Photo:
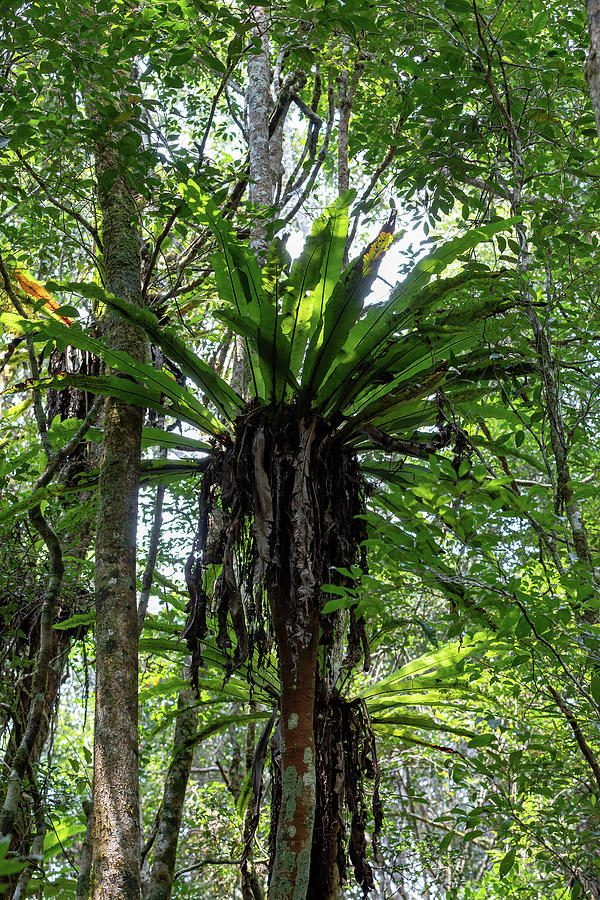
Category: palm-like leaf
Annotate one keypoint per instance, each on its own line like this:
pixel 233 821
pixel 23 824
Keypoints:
pixel 218 391
pixel 402 704
pixel 329 376
pixel 309 334
pixel 314 337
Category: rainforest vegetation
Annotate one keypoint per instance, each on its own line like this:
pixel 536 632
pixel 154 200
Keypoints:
pixel 300 394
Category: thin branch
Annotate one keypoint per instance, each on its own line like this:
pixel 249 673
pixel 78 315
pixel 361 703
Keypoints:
pixel 234 116
pixel 578 735
pixel 443 826
pixel 306 109
pixel 504 193
pixel 157 520
pixel 159 241
pixel 417 449
pixel 59 204
pixel 319 161
pixel 215 861
pixel 346 92
pixel 381 168
pixel 148 575
pixel 201 147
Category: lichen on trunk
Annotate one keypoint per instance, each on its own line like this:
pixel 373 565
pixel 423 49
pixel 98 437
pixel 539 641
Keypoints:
pixel 169 817
pixel 116 859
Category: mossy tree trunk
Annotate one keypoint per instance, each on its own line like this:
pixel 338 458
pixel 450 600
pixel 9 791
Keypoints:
pixel 116 856
pixel 171 810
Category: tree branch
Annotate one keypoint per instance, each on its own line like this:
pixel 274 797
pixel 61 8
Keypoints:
pixel 59 204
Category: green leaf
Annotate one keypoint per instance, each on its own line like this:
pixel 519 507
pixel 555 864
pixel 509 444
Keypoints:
pixel 416 721
pixel 371 353
pixel 76 621
pixel 344 602
pixel 273 346
pixel 181 56
pixel 67 310
pixel 482 740
pixel 59 836
pixel 223 722
pixel 160 646
pixel 11 867
pixel 340 311
pixel 168 398
pixel 446 841
pixel 464 468
pixel 213 62
pixel 236 270
pixel 218 391
pixel 507 862
pixel 157 437
pixel 168 470
pixel 335 589
pixel 441 662
pixel 312 279
pixel 166 687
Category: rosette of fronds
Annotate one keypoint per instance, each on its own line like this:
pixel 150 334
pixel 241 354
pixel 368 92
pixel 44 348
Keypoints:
pixel 334 379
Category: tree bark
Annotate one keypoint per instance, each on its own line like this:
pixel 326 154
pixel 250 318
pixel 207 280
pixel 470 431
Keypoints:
pixel 345 99
pixel 592 67
pixel 293 599
pixel 165 848
pixel 346 91
pixel 84 879
pixel 258 103
pixel 291 869
pixel 116 857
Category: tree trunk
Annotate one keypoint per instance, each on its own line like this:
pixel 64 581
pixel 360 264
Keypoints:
pixel 293 598
pixel 292 486
pixel 345 98
pixel 116 857
pixel 291 868
pixel 592 68
pixel 84 878
pixel 165 849
pixel 258 103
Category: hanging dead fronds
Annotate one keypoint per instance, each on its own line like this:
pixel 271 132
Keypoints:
pixel 284 495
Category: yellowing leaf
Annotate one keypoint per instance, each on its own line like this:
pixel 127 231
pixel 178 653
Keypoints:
pixel 123 116
pixel 31 288
pixel 37 291
pixel 376 250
